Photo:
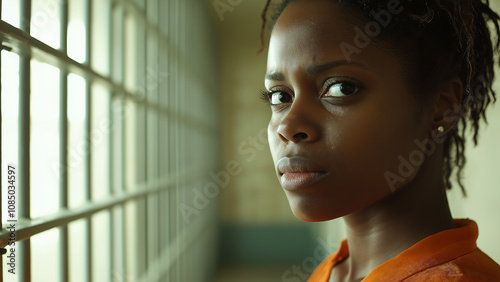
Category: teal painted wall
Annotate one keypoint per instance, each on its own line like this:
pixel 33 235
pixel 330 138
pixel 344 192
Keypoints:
pixel 265 245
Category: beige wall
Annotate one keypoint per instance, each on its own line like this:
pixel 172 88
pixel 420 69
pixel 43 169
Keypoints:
pixel 254 196
pixel 482 175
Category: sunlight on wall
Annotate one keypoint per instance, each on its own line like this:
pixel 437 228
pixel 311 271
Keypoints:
pixel 11 12
pixel 76 131
pixel 45 23
pixel 76 31
pixel 45 128
pixel 44 139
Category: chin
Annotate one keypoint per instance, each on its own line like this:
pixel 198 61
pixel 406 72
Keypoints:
pixel 311 211
pixel 308 216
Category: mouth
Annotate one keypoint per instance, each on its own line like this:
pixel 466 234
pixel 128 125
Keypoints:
pixel 297 173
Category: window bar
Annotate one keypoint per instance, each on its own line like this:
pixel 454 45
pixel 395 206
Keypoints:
pixel 142 126
pixel 152 81
pixel 164 142
pixel 159 79
pixel 129 117
pixel 114 215
pixel 169 219
pixel 119 72
pixel 154 164
pixel 180 133
pixel 172 143
pixel 188 89
pixel 24 144
pixel 88 130
pixel 188 257
pixel 177 141
pixel 172 146
pixel 146 205
pixel 160 222
pixel 63 144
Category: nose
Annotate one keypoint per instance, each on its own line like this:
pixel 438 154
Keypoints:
pixel 298 125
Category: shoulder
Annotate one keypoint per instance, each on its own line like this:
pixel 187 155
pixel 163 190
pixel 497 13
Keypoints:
pixel 450 255
pixel 473 266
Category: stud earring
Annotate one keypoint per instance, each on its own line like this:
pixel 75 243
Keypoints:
pixel 440 129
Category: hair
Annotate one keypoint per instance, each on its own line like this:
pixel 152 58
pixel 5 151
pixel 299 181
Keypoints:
pixel 437 40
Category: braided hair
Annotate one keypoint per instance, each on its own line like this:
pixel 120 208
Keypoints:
pixel 437 40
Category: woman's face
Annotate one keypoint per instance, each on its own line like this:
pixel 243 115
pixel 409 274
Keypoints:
pixel 338 126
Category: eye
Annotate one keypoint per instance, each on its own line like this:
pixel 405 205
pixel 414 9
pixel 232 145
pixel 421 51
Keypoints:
pixel 341 89
pixel 279 97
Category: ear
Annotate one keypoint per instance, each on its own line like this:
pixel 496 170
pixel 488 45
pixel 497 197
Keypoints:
pixel 447 104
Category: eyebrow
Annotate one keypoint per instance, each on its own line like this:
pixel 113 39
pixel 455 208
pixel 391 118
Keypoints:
pixel 311 70
pixel 276 76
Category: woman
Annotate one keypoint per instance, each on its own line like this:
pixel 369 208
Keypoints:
pixel 369 101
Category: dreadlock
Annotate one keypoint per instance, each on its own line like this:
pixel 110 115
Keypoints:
pixel 437 40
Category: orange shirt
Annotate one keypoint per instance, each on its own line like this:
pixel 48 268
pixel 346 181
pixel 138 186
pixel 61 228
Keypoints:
pixel 450 255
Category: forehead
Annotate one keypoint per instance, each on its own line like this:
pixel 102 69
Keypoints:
pixel 316 17
pixel 316 32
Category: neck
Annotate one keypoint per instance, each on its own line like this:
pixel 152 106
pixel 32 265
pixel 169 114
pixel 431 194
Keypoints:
pixel 382 231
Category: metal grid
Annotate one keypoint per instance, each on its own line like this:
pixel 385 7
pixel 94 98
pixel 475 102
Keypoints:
pixel 161 142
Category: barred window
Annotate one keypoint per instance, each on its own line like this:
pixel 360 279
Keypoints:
pixel 109 119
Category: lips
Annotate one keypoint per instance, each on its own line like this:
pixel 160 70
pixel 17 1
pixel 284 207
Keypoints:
pixel 297 173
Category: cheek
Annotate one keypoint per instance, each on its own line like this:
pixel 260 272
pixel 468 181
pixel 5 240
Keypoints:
pixel 273 139
pixel 370 143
